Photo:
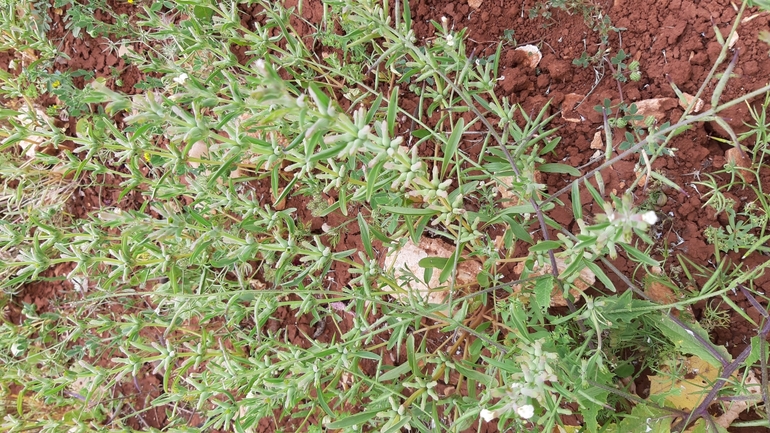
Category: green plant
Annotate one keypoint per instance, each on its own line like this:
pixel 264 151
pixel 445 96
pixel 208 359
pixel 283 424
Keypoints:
pixel 623 71
pixel 743 230
pixel 225 293
pixel 714 317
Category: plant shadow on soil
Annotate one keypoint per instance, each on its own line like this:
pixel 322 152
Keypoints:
pixel 670 38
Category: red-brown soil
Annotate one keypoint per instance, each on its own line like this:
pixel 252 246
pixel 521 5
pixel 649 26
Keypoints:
pixel 672 39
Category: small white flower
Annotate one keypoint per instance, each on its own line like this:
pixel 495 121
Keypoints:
pixel 650 217
pixel 181 78
pixel 527 411
pixel 488 415
pixel 260 65
pixel 450 40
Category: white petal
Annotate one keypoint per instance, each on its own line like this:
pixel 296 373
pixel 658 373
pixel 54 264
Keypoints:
pixel 487 415
pixel 650 217
pixel 527 411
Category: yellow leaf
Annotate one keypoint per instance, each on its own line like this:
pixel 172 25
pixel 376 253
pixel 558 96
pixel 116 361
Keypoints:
pixel 686 386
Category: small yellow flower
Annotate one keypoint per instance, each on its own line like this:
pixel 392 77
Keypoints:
pixel 56 84
pixel 147 156
pixel 130 2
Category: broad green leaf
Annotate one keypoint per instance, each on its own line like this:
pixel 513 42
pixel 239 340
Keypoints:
pixel 639 256
pixel 545 246
pixel 701 426
pixel 472 374
pixel 433 262
pixel 643 419
pixel 624 308
pixel 395 373
pixel 449 265
pixel 600 275
pixel 544 287
pixel 352 420
pixel 559 168
pixel 328 153
pixel 421 133
pixel 367 355
pixel 685 340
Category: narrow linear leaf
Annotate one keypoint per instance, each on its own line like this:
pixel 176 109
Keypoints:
pixel 559 168
pixel 394 374
pixel 400 210
pixel 352 420
pixel 577 206
pixel 544 246
pixel 450 148
pixel 365 237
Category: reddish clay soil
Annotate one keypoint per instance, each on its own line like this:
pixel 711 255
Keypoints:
pixel 672 39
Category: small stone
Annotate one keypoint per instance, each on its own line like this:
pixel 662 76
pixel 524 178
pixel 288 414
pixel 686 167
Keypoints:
pixel 533 54
pixel 585 280
pixel 504 188
pixel 568 112
pixel 659 292
pixel 655 107
pixel 475 4
pixel 734 156
pixel 597 142
pixel 688 100
pixel 405 263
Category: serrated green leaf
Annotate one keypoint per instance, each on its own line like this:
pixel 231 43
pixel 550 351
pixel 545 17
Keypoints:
pixel 544 287
pixel 685 340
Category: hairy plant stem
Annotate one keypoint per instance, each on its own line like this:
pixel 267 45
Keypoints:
pixel 668 130
pixel 439 372
pixel 762 346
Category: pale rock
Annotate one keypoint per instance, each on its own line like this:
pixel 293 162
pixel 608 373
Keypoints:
pixel 533 54
pixel 655 107
pixel 733 409
pixel 405 262
pixel 659 292
pixel 37 121
pixel 568 112
pixel 475 4
pixel 597 142
pixel 734 156
pixel 510 199
pixel 584 281
pixel 688 100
